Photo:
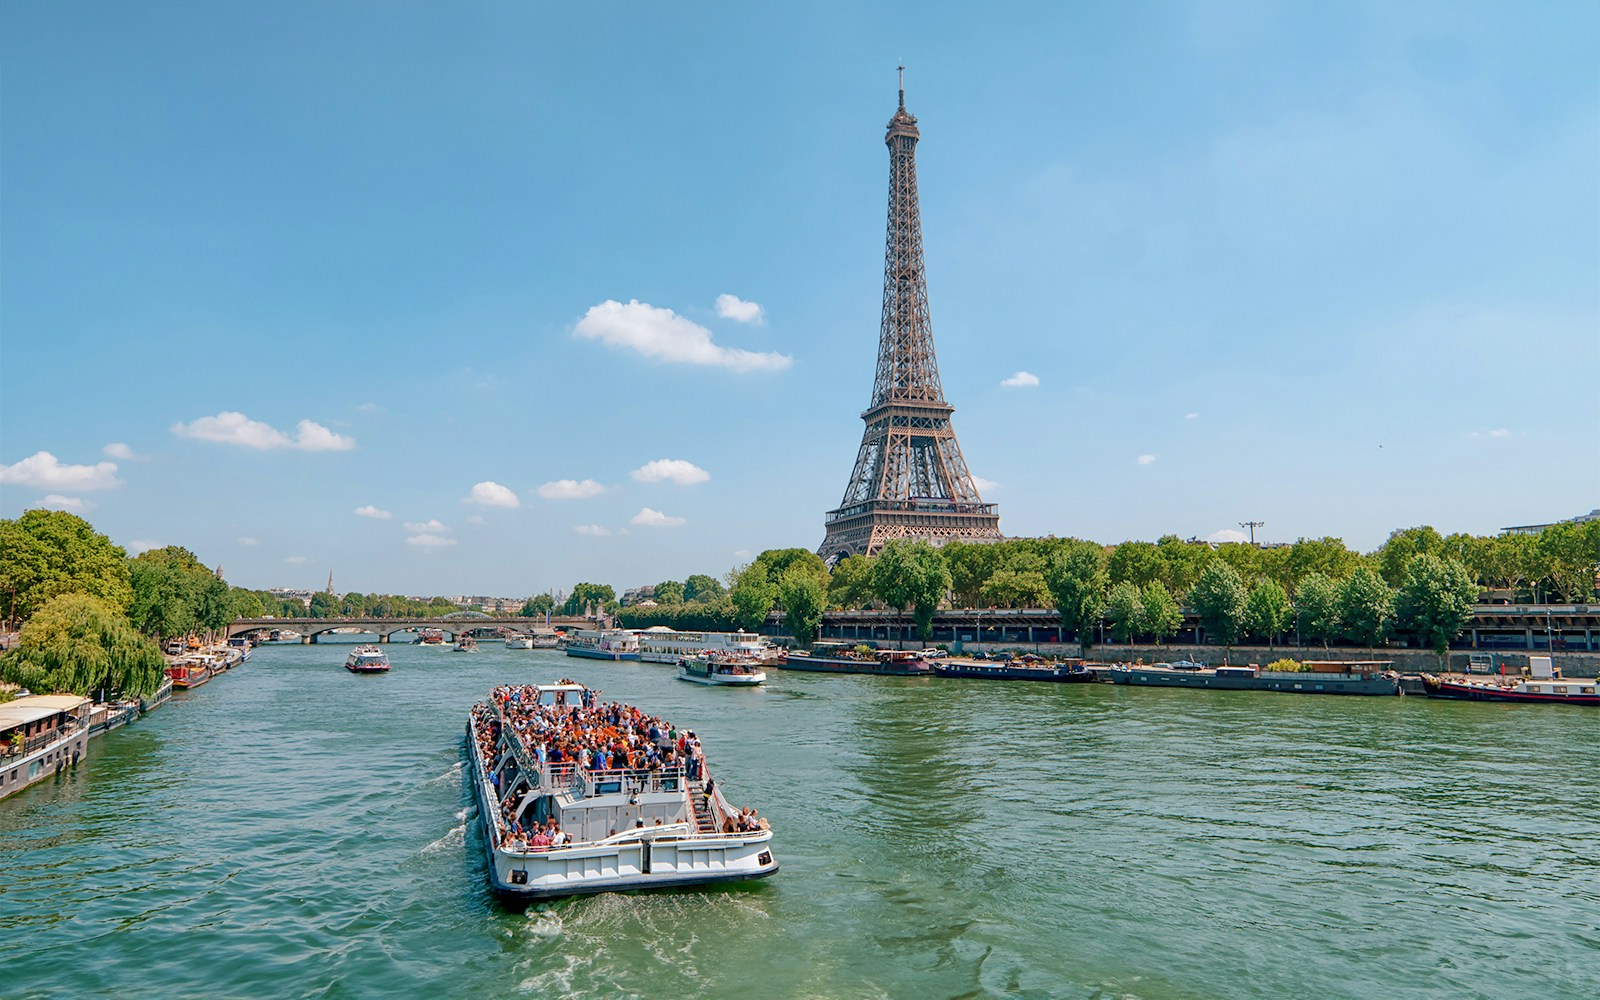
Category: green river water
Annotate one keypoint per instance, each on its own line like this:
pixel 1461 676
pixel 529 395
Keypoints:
pixel 291 830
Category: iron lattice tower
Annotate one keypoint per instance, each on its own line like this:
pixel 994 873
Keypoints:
pixel 910 480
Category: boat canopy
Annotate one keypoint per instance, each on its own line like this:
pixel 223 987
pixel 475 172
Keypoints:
pixel 35 707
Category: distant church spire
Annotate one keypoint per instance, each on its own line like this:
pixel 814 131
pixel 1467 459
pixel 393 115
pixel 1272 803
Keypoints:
pixel 330 583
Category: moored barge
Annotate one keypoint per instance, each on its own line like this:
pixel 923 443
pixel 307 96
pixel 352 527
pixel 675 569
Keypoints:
pixel 561 819
pixel 842 658
pixel 1364 677
pixel 1015 670
pixel 607 644
pixel 39 736
pixel 1543 685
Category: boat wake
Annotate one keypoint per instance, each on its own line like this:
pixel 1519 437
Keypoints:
pixel 455 837
pixel 454 774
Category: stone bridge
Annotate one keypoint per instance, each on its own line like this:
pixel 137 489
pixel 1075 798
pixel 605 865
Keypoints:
pixel 385 628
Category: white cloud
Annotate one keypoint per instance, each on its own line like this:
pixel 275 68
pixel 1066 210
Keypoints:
pixel 370 408
pixel 656 519
pixel 1498 434
pixel 428 541
pixel 676 469
pixel 297 560
pixel 371 511
pixel 233 427
pixel 43 471
pixel 139 545
pixel 491 494
pixel 430 525
pixel 1020 380
pixel 737 309
pixel 985 485
pixel 741 553
pixel 118 450
pixel 1191 416
pixel 247 540
pixel 664 335
pixel 1228 535
pixel 1145 459
pixel 592 529
pixel 570 489
pixel 56 501
pixel 477 519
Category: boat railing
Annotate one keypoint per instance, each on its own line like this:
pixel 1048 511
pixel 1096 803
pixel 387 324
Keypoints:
pixel 39 741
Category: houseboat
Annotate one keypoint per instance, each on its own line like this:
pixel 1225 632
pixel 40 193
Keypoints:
pixel 39 736
pixel 109 715
pixel 1543 685
pixel 659 644
pixel 553 827
pixel 843 658
pixel 736 671
pixel 607 644
pixel 189 672
pixel 1015 670
pixel 367 660
pixel 159 698
pixel 1369 677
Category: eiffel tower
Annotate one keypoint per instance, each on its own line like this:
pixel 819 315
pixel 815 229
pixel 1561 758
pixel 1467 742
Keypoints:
pixel 910 480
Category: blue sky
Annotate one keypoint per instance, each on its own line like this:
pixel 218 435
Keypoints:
pixel 1331 266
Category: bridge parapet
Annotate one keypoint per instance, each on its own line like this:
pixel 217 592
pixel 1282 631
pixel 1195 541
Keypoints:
pixel 383 628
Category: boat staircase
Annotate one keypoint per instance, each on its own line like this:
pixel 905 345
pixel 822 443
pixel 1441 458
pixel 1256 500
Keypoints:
pixel 703 821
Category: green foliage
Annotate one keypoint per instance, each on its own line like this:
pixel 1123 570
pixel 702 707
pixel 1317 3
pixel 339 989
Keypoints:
pixel 1317 608
pixel 1181 562
pixel 1327 556
pixel 174 594
pixel 1395 554
pixel 1286 666
pixel 244 603
pixel 970 567
pixel 700 587
pixel 1077 578
pixel 1124 610
pixel 669 592
pixel 694 616
pixel 850 586
pixel 1568 556
pixel 585 594
pixel 1218 598
pixel 911 575
pixel 1435 600
pixel 46 553
pixel 752 595
pixel 1135 562
pixel 537 606
pixel 776 562
pixel 803 597
pixel 1366 608
pixel 1011 588
pixel 1243 557
pixel 1160 616
pixel 1267 611
pixel 82 644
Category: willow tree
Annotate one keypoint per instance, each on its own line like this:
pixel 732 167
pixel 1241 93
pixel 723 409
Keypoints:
pixel 81 644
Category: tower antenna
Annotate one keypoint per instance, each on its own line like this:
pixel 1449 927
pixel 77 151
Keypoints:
pixel 902 68
pixel 1252 525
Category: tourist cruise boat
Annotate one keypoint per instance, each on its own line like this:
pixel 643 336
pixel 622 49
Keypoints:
pixel 367 660
pixel 465 644
pixel 519 642
pixel 546 639
pixel 844 658
pixel 628 828
pixel 1369 677
pixel 659 644
pixel 607 644
pixel 1544 684
pixel 39 736
pixel 430 637
pixel 739 671
pixel 1015 670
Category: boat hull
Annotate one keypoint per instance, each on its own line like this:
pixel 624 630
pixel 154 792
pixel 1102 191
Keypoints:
pixel 367 670
pixel 1289 683
pixel 723 680
pixel 584 652
pixel 1435 688
pixel 830 665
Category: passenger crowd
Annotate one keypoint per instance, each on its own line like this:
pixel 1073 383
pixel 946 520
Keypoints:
pixel 610 737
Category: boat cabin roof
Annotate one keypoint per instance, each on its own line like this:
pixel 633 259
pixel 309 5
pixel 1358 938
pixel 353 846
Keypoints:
pixel 39 706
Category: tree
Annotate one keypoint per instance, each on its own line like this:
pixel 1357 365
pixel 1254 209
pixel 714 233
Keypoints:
pixel 1243 557
pixel 1124 610
pixel 1396 553
pixel 245 603
pixel 1077 578
pixel 174 594
pixel 537 606
pixel 1181 562
pixel 700 587
pixel 82 644
pixel 752 595
pixel 1366 608
pixel 776 562
pixel 1218 599
pixel 585 594
pixel 850 586
pixel 1435 600
pixel 803 597
pixel 1328 556
pixel 1570 554
pixel 669 592
pixel 971 565
pixel 45 553
pixel 912 575
pixel 1160 615
pixel 324 605
pixel 1010 588
pixel 1267 611
pixel 1136 563
pixel 1316 604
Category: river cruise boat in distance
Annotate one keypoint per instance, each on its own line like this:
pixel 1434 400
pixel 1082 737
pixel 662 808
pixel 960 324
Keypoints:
pixel 465 644
pixel 734 671
pixel 1543 684
pixel 606 644
pixel 430 637
pixel 659 644
pixel 562 819
pixel 367 660
pixel 1015 670
pixel 844 658
pixel 1369 677
pixel 39 736
pixel 519 642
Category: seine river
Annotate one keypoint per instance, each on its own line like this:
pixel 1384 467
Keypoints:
pixel 292 830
